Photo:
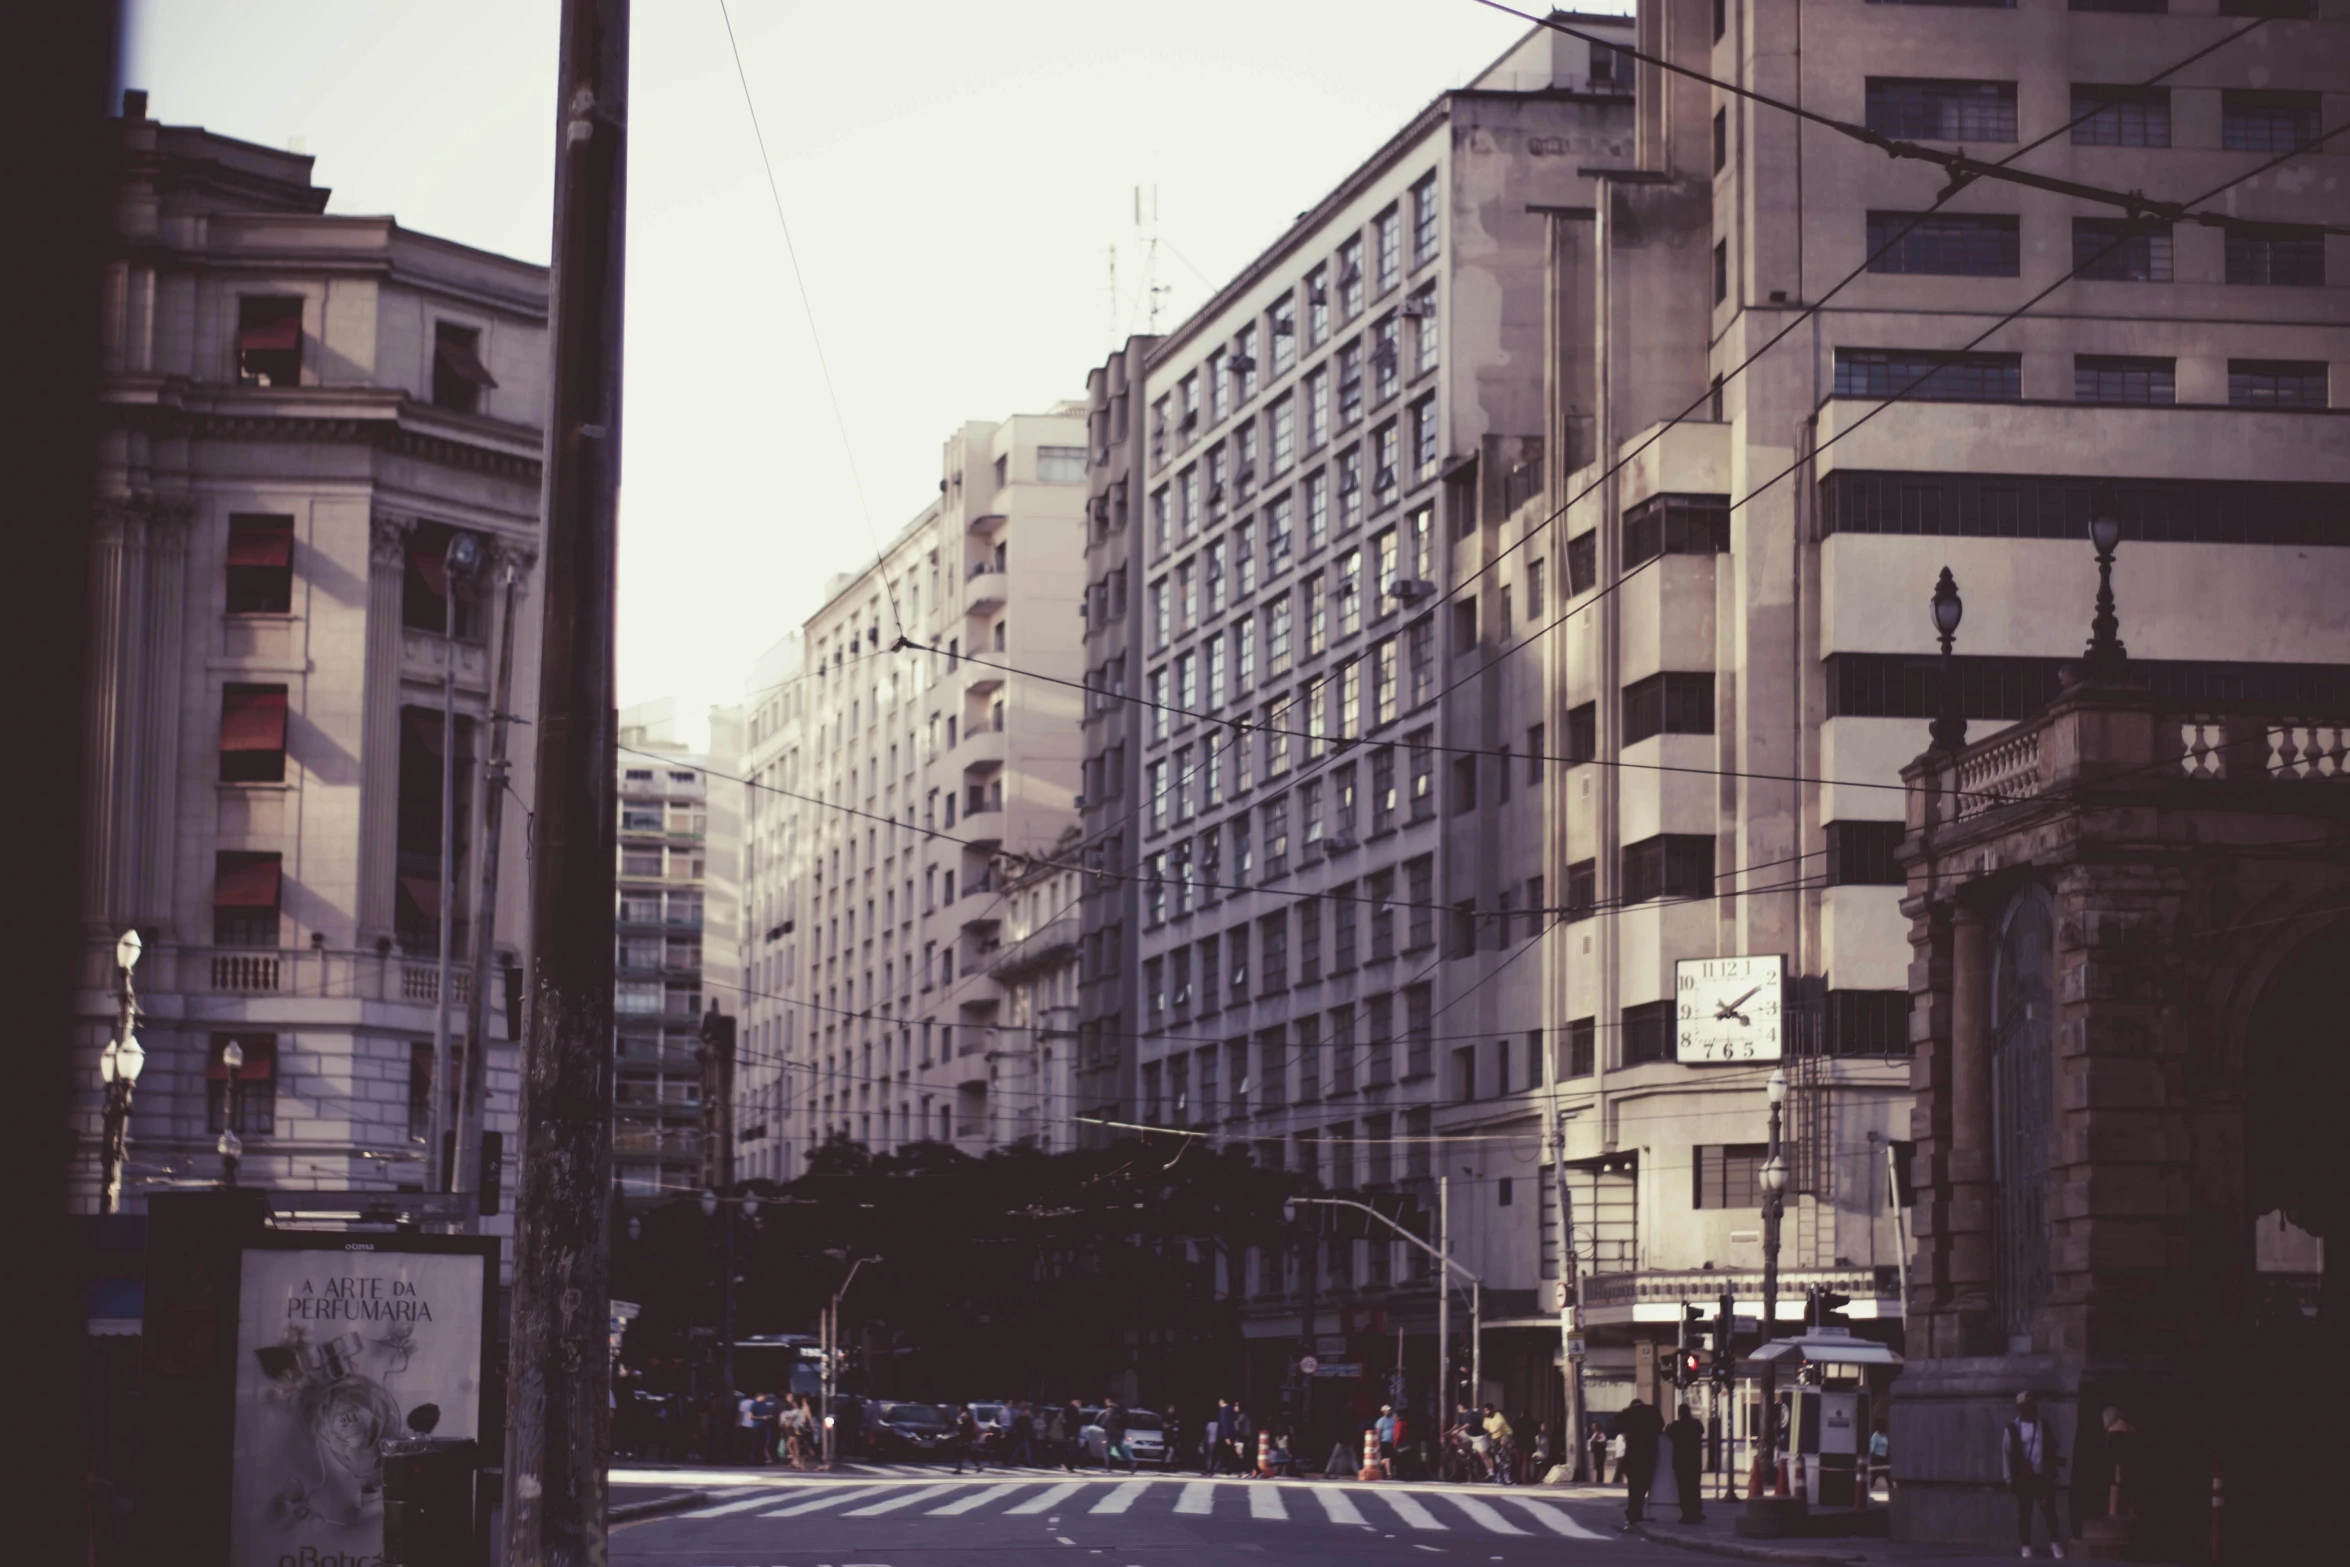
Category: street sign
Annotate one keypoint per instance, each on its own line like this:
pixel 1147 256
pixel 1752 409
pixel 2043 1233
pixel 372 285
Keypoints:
pixel 1330 1344
pixel 1575 1348
pixel 1339 1368
pixel 1310 1366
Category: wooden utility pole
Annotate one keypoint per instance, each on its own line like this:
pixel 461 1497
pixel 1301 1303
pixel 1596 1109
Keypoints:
pixel 558 1427
pixel 472 1173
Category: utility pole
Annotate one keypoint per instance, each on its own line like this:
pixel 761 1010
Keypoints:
pixel 473 1175
pixel 558 1384
pixel 459 557
pixel 1570 1288
pixel 1444 1388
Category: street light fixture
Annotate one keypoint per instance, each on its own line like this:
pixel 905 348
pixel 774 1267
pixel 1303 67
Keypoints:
pixel 1774 1182
pixel 1445 1265
pixel 2106 655
pixel 230 1146
pixel 119 1065
pixel 831 1352
pixel 1949 728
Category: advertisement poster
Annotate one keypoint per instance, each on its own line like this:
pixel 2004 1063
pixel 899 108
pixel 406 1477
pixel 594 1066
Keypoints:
pixel 339 1348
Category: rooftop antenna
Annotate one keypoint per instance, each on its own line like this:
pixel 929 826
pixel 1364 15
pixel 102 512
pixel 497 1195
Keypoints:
pixel 1152 288
pixel 1113 298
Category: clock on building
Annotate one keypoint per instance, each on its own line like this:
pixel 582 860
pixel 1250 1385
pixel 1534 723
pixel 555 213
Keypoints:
pixel 1728 1010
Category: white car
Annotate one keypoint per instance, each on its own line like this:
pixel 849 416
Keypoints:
pixel 1146 1438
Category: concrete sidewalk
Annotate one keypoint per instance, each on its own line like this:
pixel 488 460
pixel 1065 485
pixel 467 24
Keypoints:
pixel 1717 1536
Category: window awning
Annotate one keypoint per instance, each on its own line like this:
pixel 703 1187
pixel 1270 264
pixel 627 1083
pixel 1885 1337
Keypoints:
pixel 253 718
pixel 278 324
pixel 432 564
pixel 245 881
pixel 260 541
pixel 456 356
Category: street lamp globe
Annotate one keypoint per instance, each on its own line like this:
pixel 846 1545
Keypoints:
pixel 709 1203
pixel 1289 1212
pixel 130 1058
pixel 232 1056
pixel 463 554
pixel 1949 609
pixel 1776 1089
pixel 230 1146
pixel 127 949
pixel 750 1205
pixel 636 1228
pixel 1774 1175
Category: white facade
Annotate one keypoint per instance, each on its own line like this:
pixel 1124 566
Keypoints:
pixel 300 410
pixel 773 859
pixel 916 772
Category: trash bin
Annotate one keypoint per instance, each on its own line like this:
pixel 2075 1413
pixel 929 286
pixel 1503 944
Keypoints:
pixel 428 1501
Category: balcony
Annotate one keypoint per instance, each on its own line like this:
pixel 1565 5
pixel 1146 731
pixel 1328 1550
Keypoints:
pixel 986 523
pixel 1051 945
pixel 987 590
pixel 320 973
pixel 1657 1295
pixel 980 748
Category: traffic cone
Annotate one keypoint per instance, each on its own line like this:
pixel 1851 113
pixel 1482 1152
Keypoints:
pixel 1265 1454
pixel 1371 1470
pixel 1781 1488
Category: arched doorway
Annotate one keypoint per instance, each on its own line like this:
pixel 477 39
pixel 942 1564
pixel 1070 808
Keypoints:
pixel 2289 1248
pixel 2023 1005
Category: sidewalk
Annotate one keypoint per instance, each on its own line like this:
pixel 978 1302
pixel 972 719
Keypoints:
pixel 1717 1537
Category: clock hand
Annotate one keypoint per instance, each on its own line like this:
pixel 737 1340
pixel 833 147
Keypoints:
pixel 1729 1009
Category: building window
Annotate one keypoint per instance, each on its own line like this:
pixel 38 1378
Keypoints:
pixel 1721 140
pixel 269 341
pixel 260 565
pixel 1582 732
pixel 1675 525
pixel 253 734
pixel 1346 919
pixel 1318 306
pixel 1943 244
pixel 2276 383
pixel 2121 250
pixel 1728 1175
pixel 1578 1053
pixel 1463 942
pixel 245 899
pixel 458 375
pixel 1424 447
pixel 1420 892
pixel 1387 231
pixel 424 590
pixel 1464 785
pixel 2120 378
pixel 1648 1033
pixel 2252 121
pixel 1929 376
pixel 1281 326
pixel 1721 270
pixel 1350 278
pixel 1060 464
pixel 1860 854
pixel 2022 506
pixel 1669 865
pixel 1582 890
pixel 2105 116
pixel 2283 257
pixel 1672 703
pixel 1868 1023
pixel 1583 562
pixel 1421 743
pixel 1424 231
pixel 251 1109
pixel 1931 108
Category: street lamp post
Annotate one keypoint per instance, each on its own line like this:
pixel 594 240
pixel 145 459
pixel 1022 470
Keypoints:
pixel 459 560
pixel 1774 1180
pixel 711 1204
pixel 1949 728
pixel 832 1357
pixel 119 1066
pixel 231 1146
pixel 2106 656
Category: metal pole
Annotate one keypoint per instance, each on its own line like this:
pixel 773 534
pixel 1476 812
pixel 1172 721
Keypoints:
pixel 436 1153
pixel 120 1084
pixel 1774 1204
pixel 726 1314
pixel 1571 1288
pixel 824 1387
pixel 1476 1343
pixel 471 1177
pixel 558 1440
pixel 1443 1300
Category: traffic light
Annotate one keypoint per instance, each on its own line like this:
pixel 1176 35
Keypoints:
pixel 1825 1303
pixel 1687 1366
pixel 1725 1368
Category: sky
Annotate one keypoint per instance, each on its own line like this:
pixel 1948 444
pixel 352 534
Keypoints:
pixel 954 176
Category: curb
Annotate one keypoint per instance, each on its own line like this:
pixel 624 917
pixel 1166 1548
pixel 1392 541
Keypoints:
pixel 1752 1553
pixel 655 1506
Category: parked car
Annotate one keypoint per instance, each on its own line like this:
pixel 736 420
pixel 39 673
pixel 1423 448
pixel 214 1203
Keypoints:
pixel 995 1420
pixel 1146 1437
pixel 907 1430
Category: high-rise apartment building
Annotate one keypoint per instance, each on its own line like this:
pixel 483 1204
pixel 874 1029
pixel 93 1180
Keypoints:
pixel 304 410
pixel 938 743
pixel 1335 829
pixel 1751 657
pixel 679 897
pixel 773 858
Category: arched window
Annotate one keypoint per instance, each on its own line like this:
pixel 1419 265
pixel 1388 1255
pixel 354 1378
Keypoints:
pixel 2023 995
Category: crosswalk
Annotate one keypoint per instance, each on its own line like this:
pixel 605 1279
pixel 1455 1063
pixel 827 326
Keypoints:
pixel 1420 1510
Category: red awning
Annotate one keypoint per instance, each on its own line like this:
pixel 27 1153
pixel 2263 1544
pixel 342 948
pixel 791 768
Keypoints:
pixel 253 718
pixel 432 564
pixel 278 328
pixel 245 881
pixel 458 358
pixel 260 541
pixel 260 1058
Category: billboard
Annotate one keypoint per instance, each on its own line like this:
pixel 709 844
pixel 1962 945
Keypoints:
pixel 342 1343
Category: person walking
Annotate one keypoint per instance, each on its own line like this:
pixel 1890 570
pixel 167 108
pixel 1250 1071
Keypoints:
pixel 966 1441
pixel 1211 1457
pixel 1383 1429
pixel 746 1420
pixel 1243 1443
pixel 1114 1447
pixel 1881 1459
pixel 2029 1460
pixel 1640 1427
pixel 1686 1436
pixel 1542 1453
pixel 1595 1443
pixel 1022 1444
pixel 1069 1434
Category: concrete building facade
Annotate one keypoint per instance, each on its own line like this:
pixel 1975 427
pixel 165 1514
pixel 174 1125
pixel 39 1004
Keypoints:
pixel 302 409
pixel 939 739
pixel 773 858
pixel 1335 831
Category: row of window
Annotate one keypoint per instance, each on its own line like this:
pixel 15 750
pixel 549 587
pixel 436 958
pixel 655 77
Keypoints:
pixel 1232 374
pixel 1977 113
pixel 1374 1043
pixel 1928 375
pixel 2275 8
pixel 2111 250
pixel 1400 562
pixel 2027 506
pixel 269 352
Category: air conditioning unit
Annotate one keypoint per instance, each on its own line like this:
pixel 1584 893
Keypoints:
pixel 1242 364
pixel 1410 590
pixel 1349 481
pixel 1318 297
pixel 1284 327
pixel 1078 801
pixel 1384 354
pixel 1190 418
pixel 1350 277
pixel 1215 495
pixel 1419 309
pixel 1247 474
pixel 1343 840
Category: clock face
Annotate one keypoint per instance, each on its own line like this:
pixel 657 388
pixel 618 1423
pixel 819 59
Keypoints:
pixel 1728 1010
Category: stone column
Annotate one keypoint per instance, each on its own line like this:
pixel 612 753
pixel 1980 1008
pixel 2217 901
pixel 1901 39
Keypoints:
pixel 166 660
pixel 379 748
pixel 1968 1255
pixel 117 575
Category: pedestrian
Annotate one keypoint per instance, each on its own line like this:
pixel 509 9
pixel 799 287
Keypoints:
pixel 746 1421
pixel 1595 1443
pixel 1881 1458
pixel 1638 1424
pixel 1211 1457
pixel 2030 1460
pixel 1542 1453
pixel 1114 1437
pixel 1244 1443
pixel 1503 1459
pixel 966 1441
pixel 1070 1423
pixel 1686 1435
pixel 1402 1460
pixel 1023 1437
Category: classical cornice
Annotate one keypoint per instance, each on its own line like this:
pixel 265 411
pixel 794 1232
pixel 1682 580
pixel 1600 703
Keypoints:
pixel 384 430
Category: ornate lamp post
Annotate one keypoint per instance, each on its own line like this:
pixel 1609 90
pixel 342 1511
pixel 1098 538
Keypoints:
pixel 2106 657
pixel 231 1146
pixel 119 1066
pixel 1774 1180
pixel 1949 731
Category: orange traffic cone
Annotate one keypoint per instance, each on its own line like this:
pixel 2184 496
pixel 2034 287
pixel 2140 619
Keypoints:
pixel 1371 1469
pixel 1265 1454
pixel 1781 1488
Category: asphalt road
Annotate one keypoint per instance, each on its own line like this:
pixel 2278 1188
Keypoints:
pixel 932 1519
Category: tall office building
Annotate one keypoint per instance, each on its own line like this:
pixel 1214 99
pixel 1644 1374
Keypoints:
pixel 773 858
